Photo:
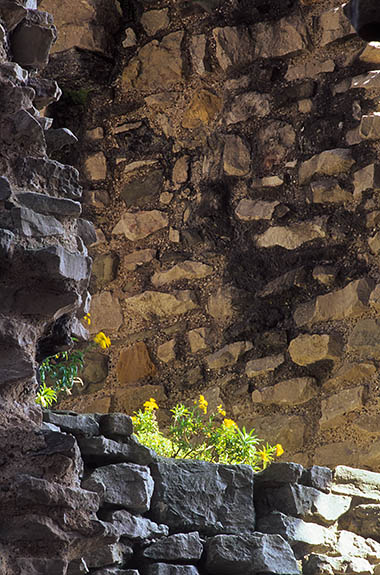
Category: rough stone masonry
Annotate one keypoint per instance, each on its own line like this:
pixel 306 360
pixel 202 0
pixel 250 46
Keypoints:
pixel 229 157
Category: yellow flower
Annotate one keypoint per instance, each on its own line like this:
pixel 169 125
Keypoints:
pixel 279 449
pixel 221 410
pixel 202 404
pixel 264 455
pixel 151 404
pixel 134 419
pixel 102 340
pixel 87 318
pixel 229 423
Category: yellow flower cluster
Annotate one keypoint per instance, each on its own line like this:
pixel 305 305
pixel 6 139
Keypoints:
pixel 279 449
pixel 221 410
pixel 202 404
pixel 229 423
pixel 102 340
pixel 87 318
pixel 151 404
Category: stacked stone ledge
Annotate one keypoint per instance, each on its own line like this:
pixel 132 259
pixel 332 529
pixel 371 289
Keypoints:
pixel 181 517
pixel 45 271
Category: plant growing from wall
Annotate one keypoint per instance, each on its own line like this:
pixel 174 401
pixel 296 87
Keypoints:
pixel 195 434
pixel 62 371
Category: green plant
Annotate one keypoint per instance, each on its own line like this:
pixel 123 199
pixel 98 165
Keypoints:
pixel 192 435
pixel 77 97
pixel 62 371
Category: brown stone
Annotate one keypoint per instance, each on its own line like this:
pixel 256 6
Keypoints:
pixel 166 351
pixel 138 258
pixel 337 453
pixel 155 20
pixel 370 126
pixel 234 46
pixel 374 299
pixel 199 339
pixel 325 275
pixel 236 156
pixel 198 53
pixel 134 364
pixel 366 178
pixel 309 69
pixel 350 373
pixel 349 302
pixel 104 268
pixel 96 198
pixel 368 81
pixel 276 141
pixel 132 398
pixel 371 53
pixel 95 167
pixel 186 270
pixel 328 163
pixel 374 243
pixel 284 429
pixel 106 313
pixel 275 39
pixel 249 105
pixel 308 349
pixel 220 304
pixel 139 225
pixel 369 422
pixel 291 237
pixel 157 65
pixel 338 405
pixel 158 304
pixel 203 109
pixel 334 25
pixel 250 210
pixel 365 339
pixel 264 365
pixel 288 280
pixel 181 170
pixel 329 192
pixel 228 355
pixel 290 392
pixel 95 367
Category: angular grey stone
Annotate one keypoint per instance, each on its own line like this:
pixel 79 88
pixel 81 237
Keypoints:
pixel 318 477
pixel 179 547
pixel 105 555
pixel 349 544
pixel 115 571
pixel 303 537
pixel 32 224
pixel 32 40
pixel 279 473
pixel 58 139
pixel 100 451
pixel 86 230
pixel 62 264
pixel 82 425
pixel 164 569
pixel 33 566
pixel 356 482
pixel 5 188
pixel 47 91
pixel 77 567
pixel 7 240
pixel 136 528
pixel 257 553
pixel 305 502
pixel 11 13
pixel 123 484
pixel 45 204
pixel 116 426
pixel 140 190
pixel 324 565
pixel 210 498
pixel 53 177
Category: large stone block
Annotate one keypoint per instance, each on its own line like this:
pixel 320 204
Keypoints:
pixel 124 485
pixel 210 498
pixel 32 40
pixel 328 163
pixel 166 569
pixel 236 156
pixel 179 547
pixel 291 237
pixel 334 25
pixel 308 349
pixel 106 313
pixel 290 392
pixel 234 46
pixel 186 270
pixel 264 365
pixel 139 225
pixel 364 339
pixel 78 425
pixel 335 407
pixel 228 355
pixel 357 483
pixel 349 302
pixel 280 38
pixel 157 65
pixel 134 364
pixel 257 553
pixel 136 528
pixel 162 305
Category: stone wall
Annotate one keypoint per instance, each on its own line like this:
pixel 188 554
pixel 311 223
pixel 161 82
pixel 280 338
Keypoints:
pixel 181 517
pixel 229 156
pixel 44 274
